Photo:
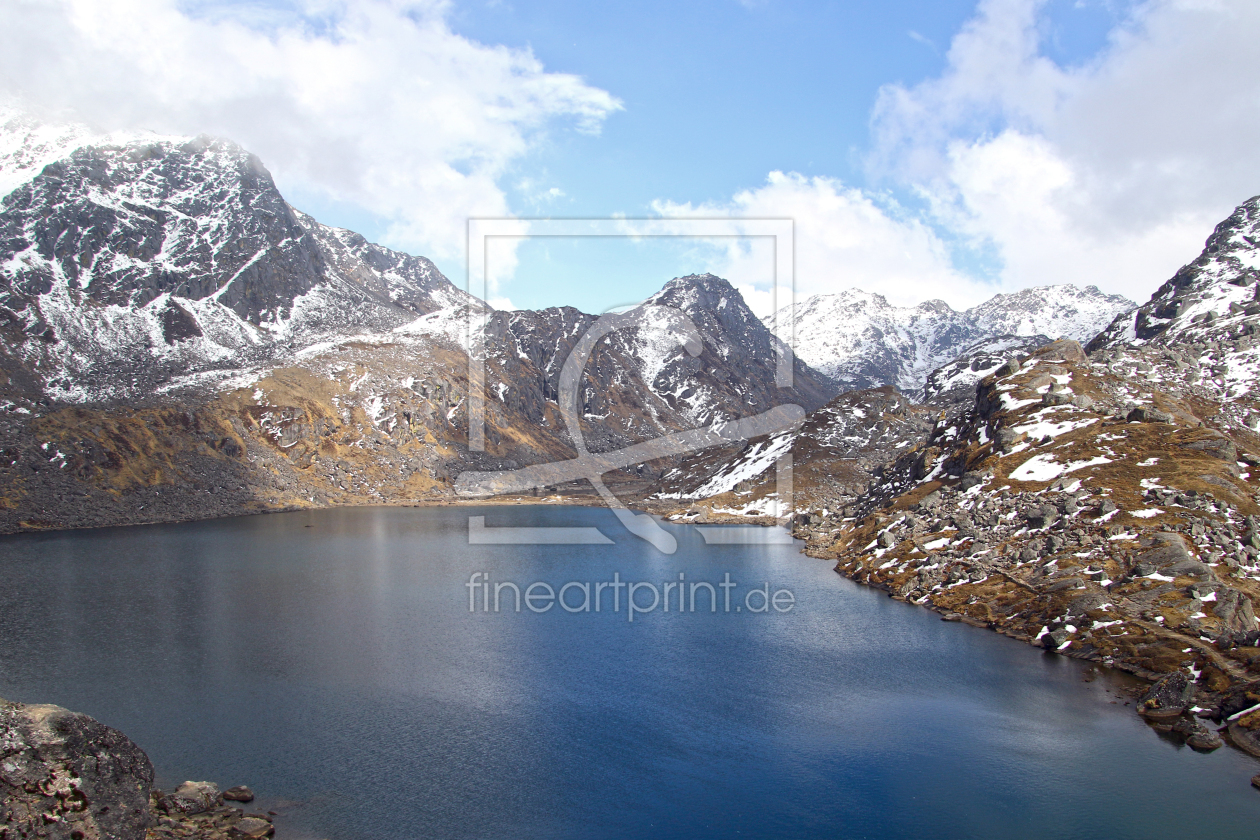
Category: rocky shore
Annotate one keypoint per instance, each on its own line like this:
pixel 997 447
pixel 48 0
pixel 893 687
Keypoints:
pixel 66 776
pixel 1071 510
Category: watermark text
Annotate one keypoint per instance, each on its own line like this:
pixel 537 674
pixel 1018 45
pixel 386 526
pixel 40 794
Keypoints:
pixel 634 597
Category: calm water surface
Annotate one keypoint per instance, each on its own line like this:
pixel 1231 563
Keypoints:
pixel 329 660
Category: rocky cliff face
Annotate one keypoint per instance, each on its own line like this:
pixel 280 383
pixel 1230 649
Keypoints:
pixel 1205 321
pixel 129 267
pixel 861 341
pixel 64 776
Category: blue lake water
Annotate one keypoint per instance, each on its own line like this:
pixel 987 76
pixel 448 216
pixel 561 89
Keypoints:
pixel 329 660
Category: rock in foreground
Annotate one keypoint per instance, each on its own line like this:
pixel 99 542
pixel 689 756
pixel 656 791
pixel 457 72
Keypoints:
pixel 65 776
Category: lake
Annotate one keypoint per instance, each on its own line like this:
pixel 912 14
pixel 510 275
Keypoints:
pixel 330 660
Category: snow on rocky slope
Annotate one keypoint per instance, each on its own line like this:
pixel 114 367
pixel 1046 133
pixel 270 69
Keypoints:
pixel 641 381
pixel 1204 323
pixel 861 341
pixel 168 320
pixel 1105 506
pixel 835 451
pixel 126 262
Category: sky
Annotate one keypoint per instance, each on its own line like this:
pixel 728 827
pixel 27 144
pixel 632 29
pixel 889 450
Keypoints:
pixel 924 150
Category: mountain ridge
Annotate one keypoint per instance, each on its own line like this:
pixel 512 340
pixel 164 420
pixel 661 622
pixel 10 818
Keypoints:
pixel 861 341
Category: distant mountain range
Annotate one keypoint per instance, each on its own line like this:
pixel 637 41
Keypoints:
pixel 861 341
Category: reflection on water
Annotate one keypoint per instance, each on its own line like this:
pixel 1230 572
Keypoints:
pixel 329 659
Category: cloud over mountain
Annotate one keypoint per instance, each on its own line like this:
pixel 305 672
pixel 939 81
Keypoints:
pixel 379 105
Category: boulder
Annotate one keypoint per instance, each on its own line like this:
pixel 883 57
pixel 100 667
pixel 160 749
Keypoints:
pixel 1198 736
pixel 1008 438
pixel 1041 516
pixel 1055 639
pixel 1008 367
pixel 1147 414
pixel 1066 583
pixel 1041 380
pixel 1087 602
pixel 240 793
pixel 1234 610
pixel 1170 556
pixel 66 776
pixel 1063 350
pixel 1221 448
pixel 253 828
pixel 1247 740
pixel 190 798
pixel 973 479
pixel 1168 697
pixel 1166 549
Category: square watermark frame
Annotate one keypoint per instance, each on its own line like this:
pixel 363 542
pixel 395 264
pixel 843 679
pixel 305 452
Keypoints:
pixel 781 231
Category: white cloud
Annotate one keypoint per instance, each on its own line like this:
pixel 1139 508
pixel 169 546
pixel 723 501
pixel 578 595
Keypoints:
pixel 1017 192
pixel 374 103
pixel 843 239
pixel 1111 173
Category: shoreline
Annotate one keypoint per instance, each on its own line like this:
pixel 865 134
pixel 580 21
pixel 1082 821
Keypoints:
pixel 1201 704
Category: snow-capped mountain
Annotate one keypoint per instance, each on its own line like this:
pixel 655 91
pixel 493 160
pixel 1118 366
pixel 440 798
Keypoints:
pixel 862 341
pixel 735 372
pixel 1104 505
pixel 1206 318
pixel 641 381
pixel 161 291
pixel 130 262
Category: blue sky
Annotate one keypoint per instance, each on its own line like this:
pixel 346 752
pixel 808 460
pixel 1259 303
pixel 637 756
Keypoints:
pixel 715 96
pixel 924 149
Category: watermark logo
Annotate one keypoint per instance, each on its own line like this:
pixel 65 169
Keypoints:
pixel 592 466
pixel 640 597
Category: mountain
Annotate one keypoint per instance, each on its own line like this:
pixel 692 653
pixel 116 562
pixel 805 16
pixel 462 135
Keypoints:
pixel 861 341
pixel 1205 321
pixel 177 341
pixel 126 266
pixel 1104 505
pixel 641 382
pixel 835 452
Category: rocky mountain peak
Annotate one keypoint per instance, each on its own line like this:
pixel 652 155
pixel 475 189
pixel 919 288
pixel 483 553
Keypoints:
pixel 861 341
pixel 1216 297
pixel 936 307
pixel 698 292
pixel 126 260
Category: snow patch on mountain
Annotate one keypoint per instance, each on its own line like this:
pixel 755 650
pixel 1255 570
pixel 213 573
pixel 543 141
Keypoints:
pixel 1205 318
pixel 861 341
pixel 129 261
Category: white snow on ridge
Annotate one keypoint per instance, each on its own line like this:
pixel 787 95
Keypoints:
pixel 861 340
pixel 750 465
pixel 27 145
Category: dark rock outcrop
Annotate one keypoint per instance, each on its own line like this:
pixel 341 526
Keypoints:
pixel 65 776
pixel 1168 697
